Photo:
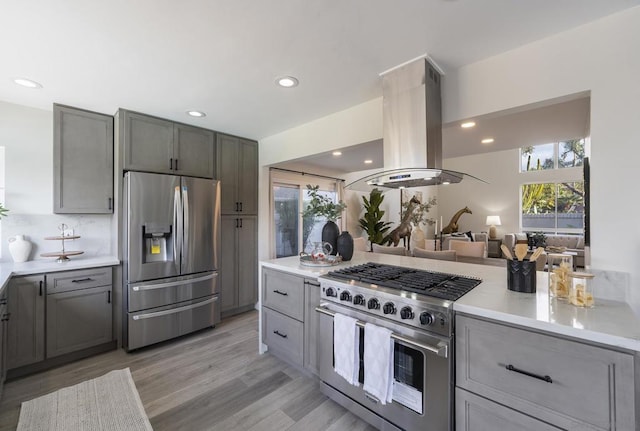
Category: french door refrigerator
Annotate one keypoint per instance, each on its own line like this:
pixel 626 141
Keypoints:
pixel 171 255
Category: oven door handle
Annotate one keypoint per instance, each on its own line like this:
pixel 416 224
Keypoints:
pixel 441 349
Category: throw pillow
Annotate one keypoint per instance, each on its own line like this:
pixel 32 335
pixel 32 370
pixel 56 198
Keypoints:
pixel 470 235
pixel 521 237
pixel 580 242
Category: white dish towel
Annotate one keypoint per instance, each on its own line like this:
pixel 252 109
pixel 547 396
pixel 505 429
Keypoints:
pixel 378 362
pixel 346 344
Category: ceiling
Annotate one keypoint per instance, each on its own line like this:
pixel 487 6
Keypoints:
pixel 222 57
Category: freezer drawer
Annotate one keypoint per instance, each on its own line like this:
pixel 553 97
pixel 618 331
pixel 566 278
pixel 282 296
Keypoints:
pixel 151 294
pixel 160 324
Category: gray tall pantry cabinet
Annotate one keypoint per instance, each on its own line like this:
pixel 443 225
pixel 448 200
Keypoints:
pixel 237 170
pixel 82 161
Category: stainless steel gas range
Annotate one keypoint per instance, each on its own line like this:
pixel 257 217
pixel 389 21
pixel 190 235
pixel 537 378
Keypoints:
pixel 416 306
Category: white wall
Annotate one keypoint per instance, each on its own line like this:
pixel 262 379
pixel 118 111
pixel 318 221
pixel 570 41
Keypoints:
pixel 601 57
pixel 27 135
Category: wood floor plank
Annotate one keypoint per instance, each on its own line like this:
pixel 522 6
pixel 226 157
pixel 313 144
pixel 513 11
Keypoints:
pixel 320 418
pixel 275 421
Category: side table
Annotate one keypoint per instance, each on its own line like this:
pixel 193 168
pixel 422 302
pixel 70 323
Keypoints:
pixel 493 248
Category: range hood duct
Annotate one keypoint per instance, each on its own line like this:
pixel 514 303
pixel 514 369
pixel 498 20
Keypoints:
pixel 412 130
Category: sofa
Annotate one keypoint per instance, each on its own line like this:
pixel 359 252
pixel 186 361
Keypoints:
pixel 572 243
pixel 428 244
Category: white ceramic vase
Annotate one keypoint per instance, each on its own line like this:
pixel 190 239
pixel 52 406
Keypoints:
pixel 19 248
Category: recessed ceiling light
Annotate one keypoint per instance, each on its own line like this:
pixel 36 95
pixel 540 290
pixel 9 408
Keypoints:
pixel 337 153
pixel 27 83
pixel 487 141
pixel 468 124
pixel 197 114
pixel 287 81
pixel 368 162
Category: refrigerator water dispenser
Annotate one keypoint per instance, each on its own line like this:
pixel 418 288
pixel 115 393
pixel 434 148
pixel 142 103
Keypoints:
pixel 157 244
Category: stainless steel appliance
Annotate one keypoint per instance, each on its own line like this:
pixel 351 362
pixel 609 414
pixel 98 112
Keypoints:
pixel 416 306
pixel 171 239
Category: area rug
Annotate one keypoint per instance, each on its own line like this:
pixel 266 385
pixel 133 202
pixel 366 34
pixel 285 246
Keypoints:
pixel 110 402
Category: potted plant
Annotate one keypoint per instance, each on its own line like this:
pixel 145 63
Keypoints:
pixel 371 222
pixel 321 206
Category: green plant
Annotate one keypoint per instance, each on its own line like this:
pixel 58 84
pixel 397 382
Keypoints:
pixel 3 211
pixel 419 214
pixel 372 222
pixel 322 206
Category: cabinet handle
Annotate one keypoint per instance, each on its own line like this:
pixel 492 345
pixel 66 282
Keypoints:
pixel 40 287
pixel 278 333
pixel 240 206
pixel 171 164
pixel 237 226
pixel 5 318
pixel 109 204
pixel 281 293
pixel 3 301
pixel 310 283
pixel 176 164
pixel 82 280
pixel 526 373
pixel 108 297
pixel 240 222
pixel 237 207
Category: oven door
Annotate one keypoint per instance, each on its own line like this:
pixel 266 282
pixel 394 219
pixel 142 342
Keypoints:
pixel 422 376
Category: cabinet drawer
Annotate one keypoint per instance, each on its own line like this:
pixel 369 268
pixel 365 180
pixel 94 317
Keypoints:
pixel 543 375
pixel 82 279
pixel 284 293
pixel 283 335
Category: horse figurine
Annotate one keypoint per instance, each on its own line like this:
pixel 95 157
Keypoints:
pixel 404 229
pixel 453 224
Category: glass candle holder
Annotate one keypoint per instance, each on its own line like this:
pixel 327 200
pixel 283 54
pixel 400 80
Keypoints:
pixel 559 267
pixel 581 290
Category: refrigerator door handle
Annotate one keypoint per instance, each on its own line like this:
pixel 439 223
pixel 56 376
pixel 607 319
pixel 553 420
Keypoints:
pixel 185 221
pixel 174 283
pixel 177 231
pixel 175 310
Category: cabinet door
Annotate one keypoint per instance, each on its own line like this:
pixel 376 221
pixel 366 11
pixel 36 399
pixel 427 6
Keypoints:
pixel 228 259
pixel 247 261
pixel 82 161
pixel 193 151
pixel 311 324
pixel 148 143
pixel 248 177
pixel 78 319
pixel 227 172
pixel 26 321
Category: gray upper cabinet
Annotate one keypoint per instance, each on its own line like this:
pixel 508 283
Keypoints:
pixel 152 144
pixel 82 161
pixel 26 321
pixel 238 173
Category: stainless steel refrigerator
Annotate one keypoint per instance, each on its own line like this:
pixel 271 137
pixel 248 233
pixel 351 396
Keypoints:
pixel 171 241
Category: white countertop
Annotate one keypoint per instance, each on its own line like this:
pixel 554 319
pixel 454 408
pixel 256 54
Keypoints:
pixel 609 322
pixel 9 269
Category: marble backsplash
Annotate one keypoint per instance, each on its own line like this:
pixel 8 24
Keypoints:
pixel 94 231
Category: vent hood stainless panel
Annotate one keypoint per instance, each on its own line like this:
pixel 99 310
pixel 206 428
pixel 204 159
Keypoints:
pixel 412 130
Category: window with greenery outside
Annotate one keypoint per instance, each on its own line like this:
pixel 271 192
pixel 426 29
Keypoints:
pixel 319 207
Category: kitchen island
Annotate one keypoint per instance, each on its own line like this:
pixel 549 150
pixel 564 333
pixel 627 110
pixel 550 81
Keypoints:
pixel 570 367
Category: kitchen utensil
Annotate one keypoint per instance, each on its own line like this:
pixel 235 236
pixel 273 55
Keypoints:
pixel 536 254
pixel 506 252
pixel 521 251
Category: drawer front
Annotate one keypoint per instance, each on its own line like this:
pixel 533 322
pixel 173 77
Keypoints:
pixel 81 279
pixel 284 293
pixel 542 374
pixel 283 335
pixel 152 294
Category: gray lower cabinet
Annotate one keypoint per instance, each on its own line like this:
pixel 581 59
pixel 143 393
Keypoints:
pixel 237 169
pixel 564 383
pixel 78 319
pixel 4 321
pixel 151 144
pixel 82 161
pixel 290 323
pixel 25 331
pixel 238 264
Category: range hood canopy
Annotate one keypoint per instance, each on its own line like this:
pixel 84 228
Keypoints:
pixel 412 130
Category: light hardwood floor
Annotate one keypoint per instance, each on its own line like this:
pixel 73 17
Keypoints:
pixel 212 380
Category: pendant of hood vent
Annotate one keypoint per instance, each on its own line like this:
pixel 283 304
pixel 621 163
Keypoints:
pixel 412 129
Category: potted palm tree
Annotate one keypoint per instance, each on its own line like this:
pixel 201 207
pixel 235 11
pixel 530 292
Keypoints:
pixel 321 206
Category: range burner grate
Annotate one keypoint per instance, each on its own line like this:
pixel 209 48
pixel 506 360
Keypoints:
pixel 430 283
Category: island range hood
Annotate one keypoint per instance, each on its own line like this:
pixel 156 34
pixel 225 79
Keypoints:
pixel 412 130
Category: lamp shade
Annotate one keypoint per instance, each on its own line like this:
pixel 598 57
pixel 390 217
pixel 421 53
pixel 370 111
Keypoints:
pixel 493 220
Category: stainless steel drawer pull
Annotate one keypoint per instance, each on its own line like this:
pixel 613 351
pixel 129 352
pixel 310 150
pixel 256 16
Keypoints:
pixel 174 283
pixel 281 293
pixel 310 283
pixel 441 349
pixel 526 373
pixel 175 310
pixel 278 333
pixel 82 280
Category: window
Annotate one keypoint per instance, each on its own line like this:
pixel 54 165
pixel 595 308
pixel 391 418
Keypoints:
pixel 553 207
pixel 292 232
pixel 556 155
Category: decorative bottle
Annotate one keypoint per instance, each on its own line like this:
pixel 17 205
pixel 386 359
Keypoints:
pixel 19 248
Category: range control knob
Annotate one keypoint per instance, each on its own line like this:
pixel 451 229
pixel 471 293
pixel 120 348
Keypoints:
pixel 358 300
pixel 406 313
pixel 389 308
pixel 426 318
pixel 373 304
pixel 345 296
pixel 331 292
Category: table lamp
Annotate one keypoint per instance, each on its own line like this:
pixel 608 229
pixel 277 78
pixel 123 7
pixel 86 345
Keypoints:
pixel 492 222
